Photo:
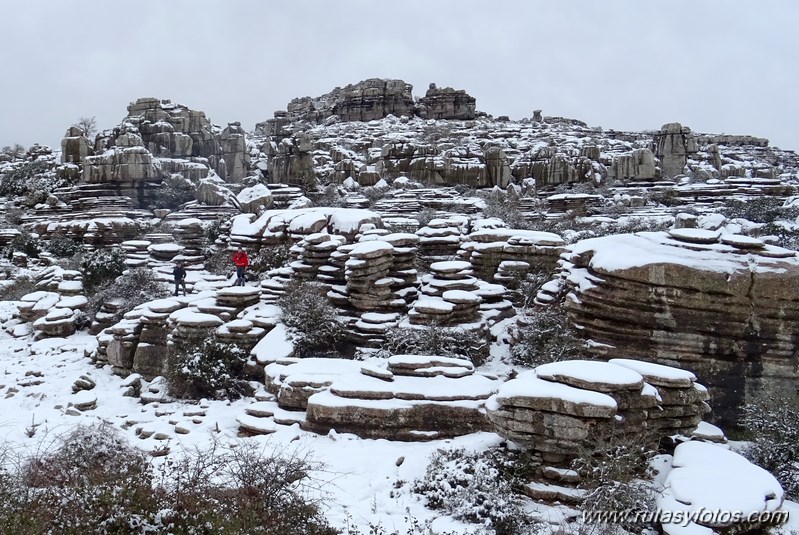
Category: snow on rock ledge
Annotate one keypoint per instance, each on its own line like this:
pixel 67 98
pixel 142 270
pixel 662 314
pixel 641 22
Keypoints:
pixel 707 478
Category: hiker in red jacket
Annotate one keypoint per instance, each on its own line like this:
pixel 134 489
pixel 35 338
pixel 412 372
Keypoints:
pixel 242 262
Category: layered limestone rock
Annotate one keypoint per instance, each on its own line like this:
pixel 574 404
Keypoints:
pixel 674 144
pixel 75 146
pixel 564 409
pixel 290 161
pixel 638 165
pixel 722 305
pixel 233 143
pixel 447 103
pixel 409 397
pixel 486 249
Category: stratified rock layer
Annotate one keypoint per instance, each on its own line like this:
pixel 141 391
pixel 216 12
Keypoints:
pixel 724 306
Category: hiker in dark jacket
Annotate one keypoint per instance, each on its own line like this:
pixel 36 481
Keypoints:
pixel 180 277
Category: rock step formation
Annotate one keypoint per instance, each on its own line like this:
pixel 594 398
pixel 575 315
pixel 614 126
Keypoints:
pixel 409 397
pixel 564 409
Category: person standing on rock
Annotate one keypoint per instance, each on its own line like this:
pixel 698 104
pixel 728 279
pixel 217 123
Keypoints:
pixel 180 277
pixel 242 263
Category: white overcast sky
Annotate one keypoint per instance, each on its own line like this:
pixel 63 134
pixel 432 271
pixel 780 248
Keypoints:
pixel 722 66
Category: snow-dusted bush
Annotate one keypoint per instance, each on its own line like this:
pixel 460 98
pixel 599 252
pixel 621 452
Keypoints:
pixel 505 206
pixel 270 257
pixel 760 209
pixel 208 369
pixel 24 242
pixel 436 340
pixel 63 247
pixel 544 335
pixel 100 266
pixel 330 196
pixel 89 481
pixel 93 481
pixel 129 290
pixel 14 289
pixel 311 319
pixel 478 488
pixel 617 479
pixel 775 422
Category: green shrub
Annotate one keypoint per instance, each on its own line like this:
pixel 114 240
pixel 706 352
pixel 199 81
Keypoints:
pixel 175 191
pixel 208 369
pixel 101 266
pixel 617 478
pixel 436 340
pixel 759 209
pixel 270 257
pixel 14 289
pixel 544 335
pixel 25 242
pixel 93 481
pixel 63 247
pixel 311 319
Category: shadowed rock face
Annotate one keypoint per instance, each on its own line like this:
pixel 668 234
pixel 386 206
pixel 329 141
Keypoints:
pixel 726 307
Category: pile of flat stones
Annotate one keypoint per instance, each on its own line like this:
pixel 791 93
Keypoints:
pixel 312 254
pixel 240 332
pixel 564 409
pixel 488 249
pixel 407 397
pixel 369 286
pixel 441 238
pixel 190 235
pixel 449 296
pixel 136 253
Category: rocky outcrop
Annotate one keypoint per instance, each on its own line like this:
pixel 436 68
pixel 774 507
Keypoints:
pixel 638 165
pixel 291 162
pixel 234 152
pixel 370 100
pixel 722 305
pixel 75 146
pixel 564 409
pixel 447 103
pixel 674 144
pixel 411 397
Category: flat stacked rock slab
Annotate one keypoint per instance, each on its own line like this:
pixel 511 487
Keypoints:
pixel 413 398
pixel 565 408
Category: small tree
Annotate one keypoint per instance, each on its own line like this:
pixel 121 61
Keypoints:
pixel 13 152
pixel 436 340
pixel 479 488
pixel 88 125
pixel 130 290
pixel 544 335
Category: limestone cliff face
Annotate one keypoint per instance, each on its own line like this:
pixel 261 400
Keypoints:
pixel 674 144
pixel 725 307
